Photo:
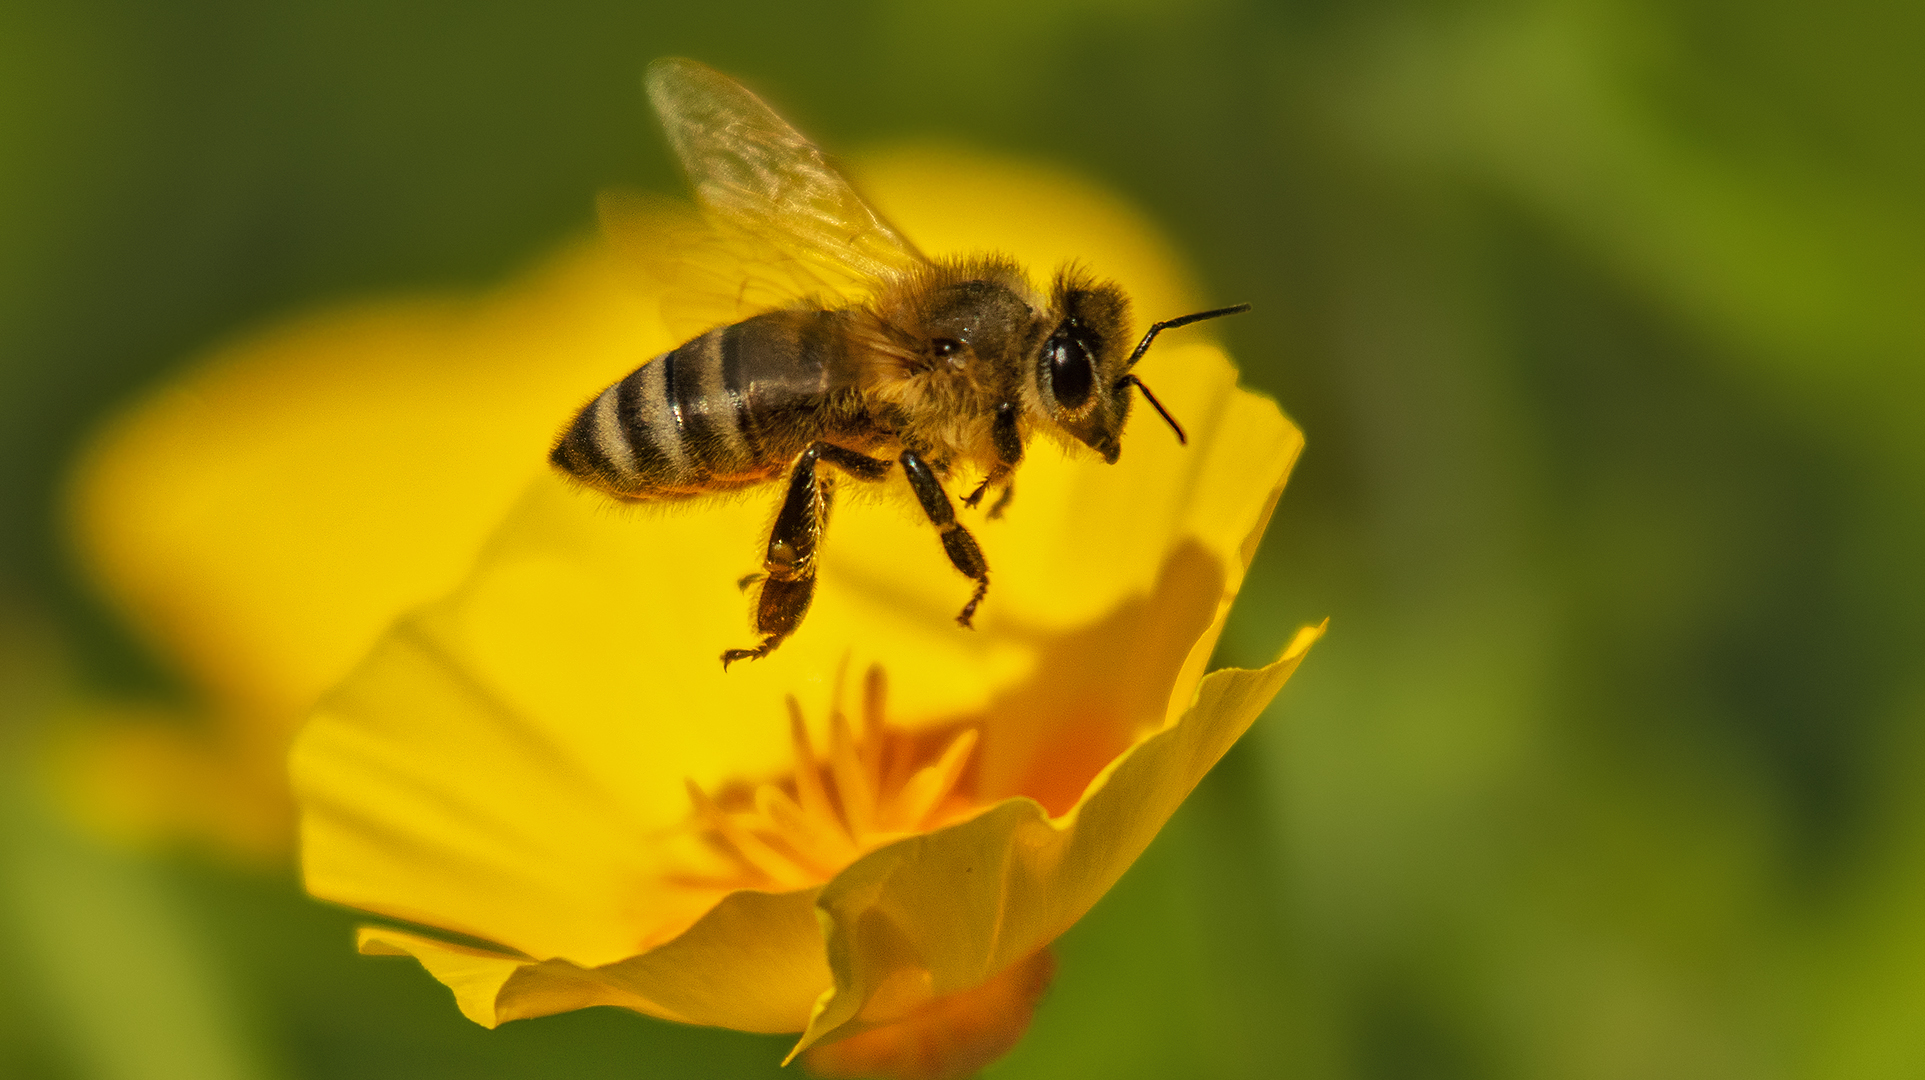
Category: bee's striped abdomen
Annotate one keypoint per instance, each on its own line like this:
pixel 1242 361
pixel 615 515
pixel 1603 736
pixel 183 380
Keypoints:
pixel 729 407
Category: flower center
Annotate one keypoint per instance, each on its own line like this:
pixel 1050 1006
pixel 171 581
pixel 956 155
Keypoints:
pixel 874 785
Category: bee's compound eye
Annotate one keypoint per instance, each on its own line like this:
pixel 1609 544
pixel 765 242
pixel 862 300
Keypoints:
pixel 945 346
pixel 1070 373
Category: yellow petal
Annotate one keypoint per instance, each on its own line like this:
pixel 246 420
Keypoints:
pixel 950 909
pixel 754 963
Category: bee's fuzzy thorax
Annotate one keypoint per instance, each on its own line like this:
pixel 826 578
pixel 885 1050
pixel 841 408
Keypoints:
pixel 943 373
pixel 961 333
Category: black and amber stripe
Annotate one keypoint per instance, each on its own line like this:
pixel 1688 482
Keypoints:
pixel 730 406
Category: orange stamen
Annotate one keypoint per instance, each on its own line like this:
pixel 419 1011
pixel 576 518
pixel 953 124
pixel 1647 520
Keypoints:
pixel 871 788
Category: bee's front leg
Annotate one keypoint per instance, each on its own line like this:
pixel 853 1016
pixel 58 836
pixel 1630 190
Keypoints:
pixel 1007 438
pixel 788 578
pixel 1002 501
pixel 964 555
pixel 997 475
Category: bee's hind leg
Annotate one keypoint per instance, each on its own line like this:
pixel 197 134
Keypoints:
pixel 788 583
pixel 961 547
pixel 778 611
pixel 788 578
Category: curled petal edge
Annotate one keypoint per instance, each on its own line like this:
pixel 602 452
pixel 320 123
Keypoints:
pixel 950 909
pixel 753 963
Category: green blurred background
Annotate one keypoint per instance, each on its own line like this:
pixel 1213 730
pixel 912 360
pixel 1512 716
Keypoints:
pixel 1605 320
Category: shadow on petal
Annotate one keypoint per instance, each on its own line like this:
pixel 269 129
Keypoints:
pixel 1095 690
pixel 948 1037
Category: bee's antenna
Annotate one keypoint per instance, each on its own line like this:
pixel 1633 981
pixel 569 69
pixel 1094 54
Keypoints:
pixel 1144 346
pixel 1131 380
pixel 1170 324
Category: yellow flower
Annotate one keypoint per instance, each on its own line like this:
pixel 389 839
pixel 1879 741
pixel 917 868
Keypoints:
pixel 871 836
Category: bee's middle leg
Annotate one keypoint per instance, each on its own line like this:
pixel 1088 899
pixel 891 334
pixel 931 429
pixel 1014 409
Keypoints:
pixel 788 577
pixel 961 547
pixel 859 465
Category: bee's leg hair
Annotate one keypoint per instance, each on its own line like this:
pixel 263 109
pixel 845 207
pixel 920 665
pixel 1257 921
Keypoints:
pixel 860 466
pixel 964 555
pixel 788 578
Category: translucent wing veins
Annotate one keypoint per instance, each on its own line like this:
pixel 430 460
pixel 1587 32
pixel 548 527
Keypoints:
pixel 752 171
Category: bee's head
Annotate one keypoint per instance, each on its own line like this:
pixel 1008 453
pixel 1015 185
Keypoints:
pixel 1082 359
pixel 1083 373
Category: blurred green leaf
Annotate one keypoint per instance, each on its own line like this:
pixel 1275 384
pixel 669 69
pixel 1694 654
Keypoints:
pixel 122 974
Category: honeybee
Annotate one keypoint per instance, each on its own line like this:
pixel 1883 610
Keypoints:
pixel 942 366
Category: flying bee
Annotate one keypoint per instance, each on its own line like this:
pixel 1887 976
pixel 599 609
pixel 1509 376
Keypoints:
pixel 938 365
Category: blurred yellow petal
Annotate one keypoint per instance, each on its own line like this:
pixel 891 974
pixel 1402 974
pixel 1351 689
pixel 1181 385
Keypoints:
pixel 260 519
pixel 144 774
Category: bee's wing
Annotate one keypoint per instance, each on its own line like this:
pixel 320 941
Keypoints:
pixel 755 174
pixel 704 275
